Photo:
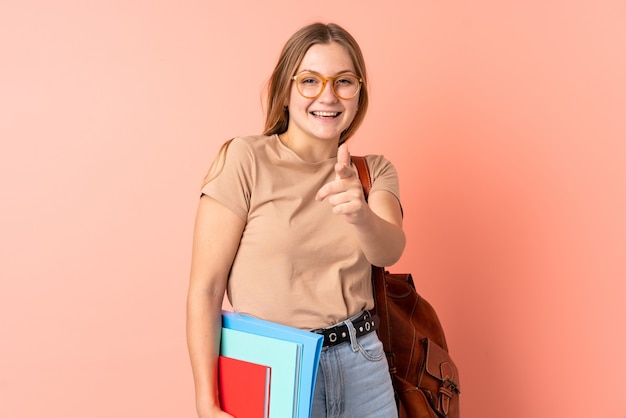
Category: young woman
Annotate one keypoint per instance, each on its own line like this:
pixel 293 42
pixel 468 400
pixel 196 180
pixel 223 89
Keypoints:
pixel 283 226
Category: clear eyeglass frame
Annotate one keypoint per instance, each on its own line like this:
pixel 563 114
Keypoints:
pixel 324 80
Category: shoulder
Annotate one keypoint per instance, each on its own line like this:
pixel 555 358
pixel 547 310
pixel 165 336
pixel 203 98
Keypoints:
pixel 383 175
pixel 249 147
pixel 379 166
pixel 254 141
pixel 251 142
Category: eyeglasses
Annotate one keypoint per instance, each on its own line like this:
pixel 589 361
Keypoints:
pixel 311 85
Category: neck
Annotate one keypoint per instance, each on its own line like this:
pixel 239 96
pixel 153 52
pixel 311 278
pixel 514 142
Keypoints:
pixel 311 150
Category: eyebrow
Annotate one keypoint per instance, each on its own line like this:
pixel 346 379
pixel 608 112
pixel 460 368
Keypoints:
pixel 306 70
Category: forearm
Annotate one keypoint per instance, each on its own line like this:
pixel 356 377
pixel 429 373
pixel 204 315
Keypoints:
pixel 203 341
pixel 381 241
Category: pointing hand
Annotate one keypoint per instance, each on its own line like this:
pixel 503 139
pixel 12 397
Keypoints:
pixel 345 193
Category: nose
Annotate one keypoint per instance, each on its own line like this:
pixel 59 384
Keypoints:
pixel 328 94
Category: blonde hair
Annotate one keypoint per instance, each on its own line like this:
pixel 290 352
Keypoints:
pixel 218 164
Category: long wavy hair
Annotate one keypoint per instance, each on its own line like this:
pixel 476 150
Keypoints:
pixel 279 84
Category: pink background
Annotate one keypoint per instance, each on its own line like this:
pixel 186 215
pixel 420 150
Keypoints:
pixel 506 122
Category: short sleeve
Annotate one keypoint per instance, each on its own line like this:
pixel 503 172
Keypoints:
pixel 233 185
pixel 384 175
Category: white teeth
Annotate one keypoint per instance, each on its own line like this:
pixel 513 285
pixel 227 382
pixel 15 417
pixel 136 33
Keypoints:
pixel 329 114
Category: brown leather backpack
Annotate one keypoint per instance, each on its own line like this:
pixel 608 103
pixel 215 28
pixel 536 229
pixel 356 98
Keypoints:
pixel 425 379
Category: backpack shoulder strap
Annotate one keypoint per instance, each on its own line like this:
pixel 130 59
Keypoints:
pixel 364 174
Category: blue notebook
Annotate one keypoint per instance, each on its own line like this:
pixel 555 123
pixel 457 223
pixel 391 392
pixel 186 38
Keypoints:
pixel 310 353
pixel 283 357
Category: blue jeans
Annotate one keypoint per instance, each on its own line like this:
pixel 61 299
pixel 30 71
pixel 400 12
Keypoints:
pixel 353 380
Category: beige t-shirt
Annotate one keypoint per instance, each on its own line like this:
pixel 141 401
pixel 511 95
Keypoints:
pixel 297 264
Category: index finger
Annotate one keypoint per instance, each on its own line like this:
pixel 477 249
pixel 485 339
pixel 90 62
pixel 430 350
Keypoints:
pixel 343 155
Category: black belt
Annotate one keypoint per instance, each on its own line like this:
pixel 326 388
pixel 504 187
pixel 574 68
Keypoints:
pixel 363 324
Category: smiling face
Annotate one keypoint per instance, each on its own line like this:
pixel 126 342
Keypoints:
pixel 327 116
